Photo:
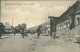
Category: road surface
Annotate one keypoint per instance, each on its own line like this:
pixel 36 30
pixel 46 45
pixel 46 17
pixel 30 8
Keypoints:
pixel 17 44
pixel 32 44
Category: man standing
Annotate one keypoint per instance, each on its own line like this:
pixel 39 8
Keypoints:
pixel 39 31
pixel 22 33
pixel 14 31
pixel 1 29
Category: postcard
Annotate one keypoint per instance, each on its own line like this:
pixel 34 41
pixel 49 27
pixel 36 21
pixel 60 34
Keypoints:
pixel 39 25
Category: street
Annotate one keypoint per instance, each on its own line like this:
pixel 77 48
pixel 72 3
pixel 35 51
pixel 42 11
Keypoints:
pixel 32 44
pixel 15 44
pixel 40 26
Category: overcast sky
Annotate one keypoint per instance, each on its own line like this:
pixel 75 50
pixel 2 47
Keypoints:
pixel 32 13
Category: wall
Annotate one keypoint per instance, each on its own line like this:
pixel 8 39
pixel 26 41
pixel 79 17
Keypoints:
pixel 77 26
pixel 62 30
pixel 66 33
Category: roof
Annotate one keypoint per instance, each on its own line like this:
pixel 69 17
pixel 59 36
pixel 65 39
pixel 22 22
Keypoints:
pixel 70 8
pixel 52 17
pixel 68 12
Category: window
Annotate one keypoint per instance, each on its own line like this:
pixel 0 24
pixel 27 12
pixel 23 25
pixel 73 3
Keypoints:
pixel 78 21
pixel 60 26
pixel 67 24
pixel 64 25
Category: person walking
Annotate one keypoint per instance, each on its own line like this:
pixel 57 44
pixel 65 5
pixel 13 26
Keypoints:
pixel 24 33
pixel 14 31
pixel 39 31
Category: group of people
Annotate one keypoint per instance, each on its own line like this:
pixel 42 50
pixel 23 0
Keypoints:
pixel 25 33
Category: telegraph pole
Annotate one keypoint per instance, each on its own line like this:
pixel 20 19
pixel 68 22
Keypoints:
pixel 12 24
pixel 45 18
pixel 0 10
pixel 12 21
pixel 26 23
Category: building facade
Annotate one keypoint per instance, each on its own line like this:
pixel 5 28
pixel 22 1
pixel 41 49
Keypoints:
pixel 69 22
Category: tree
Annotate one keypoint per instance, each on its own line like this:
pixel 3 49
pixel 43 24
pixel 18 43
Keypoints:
pixel 19 26
pixel 6 24
pixel 23 26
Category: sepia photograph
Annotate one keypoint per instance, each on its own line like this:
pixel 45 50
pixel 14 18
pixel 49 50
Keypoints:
pixel 39 25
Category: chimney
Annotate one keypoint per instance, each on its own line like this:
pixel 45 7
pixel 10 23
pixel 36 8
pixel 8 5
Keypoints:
pixel 69 7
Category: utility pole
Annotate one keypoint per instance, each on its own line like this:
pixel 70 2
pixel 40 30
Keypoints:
pixel 12 24
pixel 26 23
pixel 45 21
pixel 45 18
pixel 12 21
pixel 0 10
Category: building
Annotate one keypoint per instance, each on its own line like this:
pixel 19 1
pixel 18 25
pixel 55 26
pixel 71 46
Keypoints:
pixel 52 25
pixel 68 23
pixel 46 30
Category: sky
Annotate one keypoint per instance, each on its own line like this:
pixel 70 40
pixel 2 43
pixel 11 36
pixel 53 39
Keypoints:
pixel 32 13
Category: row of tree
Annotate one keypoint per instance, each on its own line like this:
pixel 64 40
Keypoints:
pixel 21 26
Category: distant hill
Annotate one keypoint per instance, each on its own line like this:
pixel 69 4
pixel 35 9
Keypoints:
pixel 33 29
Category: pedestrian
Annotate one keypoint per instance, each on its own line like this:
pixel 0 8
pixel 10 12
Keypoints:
pixel 24 33
pixel 21 32
pixel 14 31
pixel 1 29
pixel 39 31
pixel 54 35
